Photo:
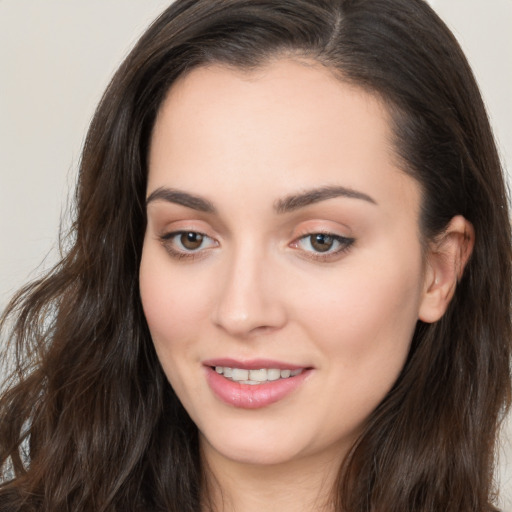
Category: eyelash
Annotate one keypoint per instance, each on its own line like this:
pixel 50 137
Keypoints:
pixel 180 254
pixel 169 243
pixel 344 243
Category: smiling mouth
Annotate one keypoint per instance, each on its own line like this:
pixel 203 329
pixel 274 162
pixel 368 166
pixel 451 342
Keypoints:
pixel 256 383
pixel 255 377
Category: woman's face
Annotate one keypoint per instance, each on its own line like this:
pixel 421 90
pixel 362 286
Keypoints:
pixel 282 250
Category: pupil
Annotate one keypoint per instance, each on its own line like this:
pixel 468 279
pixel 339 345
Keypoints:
pixel 191 240
pixel 321 243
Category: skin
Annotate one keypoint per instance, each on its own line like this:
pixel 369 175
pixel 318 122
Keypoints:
pixel 257 288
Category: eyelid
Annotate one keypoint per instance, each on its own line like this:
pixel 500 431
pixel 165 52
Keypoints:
pixel 166 239
pixel 345 243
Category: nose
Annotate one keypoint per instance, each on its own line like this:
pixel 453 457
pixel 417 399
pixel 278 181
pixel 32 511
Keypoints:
pixel 249 300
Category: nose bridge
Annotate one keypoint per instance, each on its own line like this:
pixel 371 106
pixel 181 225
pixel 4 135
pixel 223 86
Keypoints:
pixel 247 301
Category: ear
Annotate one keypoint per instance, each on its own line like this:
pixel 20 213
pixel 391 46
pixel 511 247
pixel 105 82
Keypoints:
pixel 446 259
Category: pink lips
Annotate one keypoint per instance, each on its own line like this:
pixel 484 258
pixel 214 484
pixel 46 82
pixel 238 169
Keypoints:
pixel 248 396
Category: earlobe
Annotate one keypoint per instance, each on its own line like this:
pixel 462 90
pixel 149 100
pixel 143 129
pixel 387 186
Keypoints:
pixel 446 260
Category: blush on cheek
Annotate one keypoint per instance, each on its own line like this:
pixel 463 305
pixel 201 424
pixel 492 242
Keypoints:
pixel 365 320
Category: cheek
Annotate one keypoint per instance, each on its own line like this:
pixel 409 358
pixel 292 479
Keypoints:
pixel 363 327
pixel 173 308
pixel 172 304
pixel 365 317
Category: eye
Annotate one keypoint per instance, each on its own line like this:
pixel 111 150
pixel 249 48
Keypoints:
pixel 182 244
pixel 319 242
pixel 190 241
pixel 323 244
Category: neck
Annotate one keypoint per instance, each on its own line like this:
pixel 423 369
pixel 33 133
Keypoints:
pixel 302 485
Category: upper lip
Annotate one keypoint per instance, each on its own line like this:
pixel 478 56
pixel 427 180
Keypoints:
pixel 252 364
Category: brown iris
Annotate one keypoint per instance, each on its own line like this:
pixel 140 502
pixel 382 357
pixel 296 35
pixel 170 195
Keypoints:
pixel 321 242
pixel 191 240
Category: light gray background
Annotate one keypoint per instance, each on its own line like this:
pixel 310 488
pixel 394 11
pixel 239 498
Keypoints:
pixel 56 58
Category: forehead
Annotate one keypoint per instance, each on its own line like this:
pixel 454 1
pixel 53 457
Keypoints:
pixel 286 124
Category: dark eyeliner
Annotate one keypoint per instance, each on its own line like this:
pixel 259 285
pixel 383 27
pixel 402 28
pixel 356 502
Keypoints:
pixel 345 245
pixel 176 254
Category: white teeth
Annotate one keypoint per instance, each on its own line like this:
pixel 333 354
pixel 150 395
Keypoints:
pixel 273 374
pixel 253 377
pixel 239 374
pixel 258 375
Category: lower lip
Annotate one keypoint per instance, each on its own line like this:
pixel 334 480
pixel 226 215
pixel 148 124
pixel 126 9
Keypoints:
pixel 247 396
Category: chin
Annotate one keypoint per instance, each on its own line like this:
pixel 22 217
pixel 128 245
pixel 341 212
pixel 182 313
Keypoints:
pixel 247 452
pixel 263 443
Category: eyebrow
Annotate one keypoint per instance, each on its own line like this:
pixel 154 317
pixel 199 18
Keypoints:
pixel 182 198
pixel 285 205
pixel 316 195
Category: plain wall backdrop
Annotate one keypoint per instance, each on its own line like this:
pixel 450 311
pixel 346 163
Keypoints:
pixel 56 58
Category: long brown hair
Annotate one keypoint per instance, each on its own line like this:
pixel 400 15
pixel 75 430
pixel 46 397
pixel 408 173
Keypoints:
pixel 88 420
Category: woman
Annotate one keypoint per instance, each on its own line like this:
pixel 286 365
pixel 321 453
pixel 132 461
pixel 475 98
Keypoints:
pixel 289 283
